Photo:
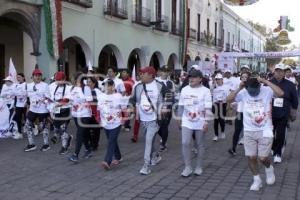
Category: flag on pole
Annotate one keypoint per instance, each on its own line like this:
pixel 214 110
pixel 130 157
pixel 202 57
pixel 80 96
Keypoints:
pixel 12 71
pixel 133 76
pixel 90 66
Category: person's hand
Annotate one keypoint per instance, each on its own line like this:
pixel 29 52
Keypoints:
pixel 205 127
pixel 261 80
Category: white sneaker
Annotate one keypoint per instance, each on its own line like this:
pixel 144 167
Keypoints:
pixel 241 142
pixel 215 138
pixel 198 171
pixel 223 136
pixel 186 172
pixel 257 183
pixel 194 150
pixel 145 170
pixel 18 136
pixel 270 176
pixel 155 160
pixel 277 159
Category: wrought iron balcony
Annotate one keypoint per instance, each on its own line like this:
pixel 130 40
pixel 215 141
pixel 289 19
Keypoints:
pixel 83 3
pixel 162 23
pixel 176 28
pixel 193 34
pixel 116 9
pixel 142 17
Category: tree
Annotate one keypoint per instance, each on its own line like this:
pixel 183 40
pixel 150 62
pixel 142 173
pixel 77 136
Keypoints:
pixel 272 46
pixel 271 42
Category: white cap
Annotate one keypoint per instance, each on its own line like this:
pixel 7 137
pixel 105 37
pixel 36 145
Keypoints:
pixel 9 78
pixel 219 76
pixel 196 67
pixel 288 67
pixel 280 66
pixel 227 70
pixel 245 66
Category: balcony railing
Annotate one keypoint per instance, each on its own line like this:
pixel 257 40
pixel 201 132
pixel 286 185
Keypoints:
pixel 162 23
pixel 176 28
pixel 142 17
pixel 116 9
pixel 83 3
pixel 193 34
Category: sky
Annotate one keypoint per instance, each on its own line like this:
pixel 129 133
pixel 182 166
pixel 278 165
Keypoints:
pixel 268 12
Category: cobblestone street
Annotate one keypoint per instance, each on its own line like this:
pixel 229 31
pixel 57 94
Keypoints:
pixel 43 176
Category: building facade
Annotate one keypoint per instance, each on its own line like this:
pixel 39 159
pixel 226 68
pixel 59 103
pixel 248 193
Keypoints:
pixel 120 33
pixel 214 27
pixel 239 35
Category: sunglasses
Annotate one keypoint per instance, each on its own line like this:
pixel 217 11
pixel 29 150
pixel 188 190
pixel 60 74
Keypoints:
pixel 34 88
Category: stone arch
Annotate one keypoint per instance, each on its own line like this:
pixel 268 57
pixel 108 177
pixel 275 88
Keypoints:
pixel 77 55
pixel 157 60
pixel 173 62
pixel 110 55
pixel 25 16
pixel 137 58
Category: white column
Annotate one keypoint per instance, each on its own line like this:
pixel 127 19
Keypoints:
pixel 29 60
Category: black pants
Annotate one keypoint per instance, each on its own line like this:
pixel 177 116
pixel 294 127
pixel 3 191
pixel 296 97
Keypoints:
pixel 279 134
pixel 20 116
pixel 219 109
pixel 82 133
pixel 94 135
pixel 238 127
pixel 163 131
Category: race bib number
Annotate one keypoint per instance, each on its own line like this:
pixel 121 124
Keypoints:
pixel 56 110
pixel 278 102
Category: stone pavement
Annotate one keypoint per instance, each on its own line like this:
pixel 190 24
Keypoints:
pixel 49 176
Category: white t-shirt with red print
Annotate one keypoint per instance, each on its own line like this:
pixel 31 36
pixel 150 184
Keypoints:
pixel 146 112
pixel 80 100
pixel 195 101
pixel 110 107
pixel 257 111
pixel 39 96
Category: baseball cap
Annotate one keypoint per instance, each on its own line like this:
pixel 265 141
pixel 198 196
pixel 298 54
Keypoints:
pixel 227 71
pixel 149 70
pixel 195 73
pixel 280 66
pixel 219 76
pixel 245 66
pixel 37 72
pixel 59 76
pixel 8 78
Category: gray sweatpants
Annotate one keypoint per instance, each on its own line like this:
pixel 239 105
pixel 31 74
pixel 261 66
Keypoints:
pixel 186 146
pixel 150 129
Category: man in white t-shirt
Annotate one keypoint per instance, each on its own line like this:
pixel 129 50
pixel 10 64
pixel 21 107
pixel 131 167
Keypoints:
pixel 38 93
pixel 195 103
pixel 149 98
pixel 258 128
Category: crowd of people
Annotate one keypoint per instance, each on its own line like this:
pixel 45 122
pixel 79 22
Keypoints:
pixel 261 106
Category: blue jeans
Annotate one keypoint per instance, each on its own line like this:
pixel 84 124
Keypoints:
pixel 112 147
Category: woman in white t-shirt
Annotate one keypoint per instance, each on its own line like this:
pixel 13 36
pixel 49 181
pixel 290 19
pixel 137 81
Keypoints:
pixel 21 101
pixel 220 93
pixel 81 97
pixel 110 106
pixel 195 102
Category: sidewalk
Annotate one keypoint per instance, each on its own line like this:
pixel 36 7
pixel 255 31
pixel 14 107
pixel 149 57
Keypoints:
pixel 49 176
